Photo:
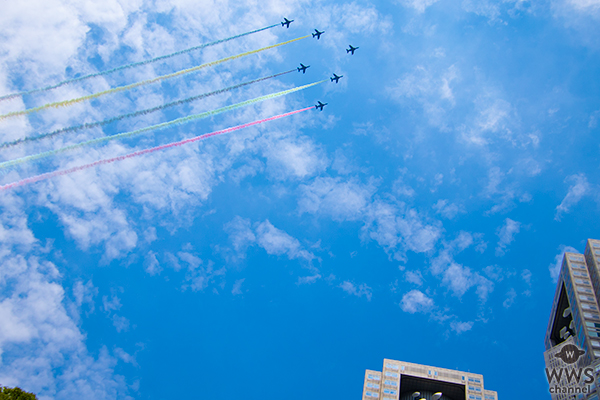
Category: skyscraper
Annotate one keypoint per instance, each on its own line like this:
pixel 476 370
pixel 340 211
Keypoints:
pixel 575 321
pixel 400 380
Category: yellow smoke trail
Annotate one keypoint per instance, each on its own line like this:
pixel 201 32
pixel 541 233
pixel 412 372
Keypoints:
pixel 142 83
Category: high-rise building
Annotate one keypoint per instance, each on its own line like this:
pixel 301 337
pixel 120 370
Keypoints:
pixel 575 321
pixel 401 380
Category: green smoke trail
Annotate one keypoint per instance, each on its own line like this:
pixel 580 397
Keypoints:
pixel 178 121
pixel 135 64
pixel 136 113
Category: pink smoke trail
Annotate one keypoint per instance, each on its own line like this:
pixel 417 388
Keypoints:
pixel 67 171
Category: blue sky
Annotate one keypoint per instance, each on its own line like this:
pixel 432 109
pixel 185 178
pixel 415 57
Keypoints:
pixel 421 216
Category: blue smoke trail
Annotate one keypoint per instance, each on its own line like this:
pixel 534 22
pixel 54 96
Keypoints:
pixel 135 64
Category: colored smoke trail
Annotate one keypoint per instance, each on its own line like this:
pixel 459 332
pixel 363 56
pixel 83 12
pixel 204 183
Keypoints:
pixel 143 83
pixel 137 113
pixel 178 121
pixel 135 64
pixel 49 175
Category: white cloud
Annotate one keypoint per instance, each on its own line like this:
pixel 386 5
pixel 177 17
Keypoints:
pixel 240 234
pixel 461 327
pixel 342 200
pixel 506 235
pixel 419 5
pixel 416 301
pixel 111 305
pixel 274 241
pixel 237 287
pixel 198 273
pixel 510 298
pixel 448 210
pixel 294 158
pixel 432 89
pixel 151 264
pixel 277 242
pixel 578 188
pixel 456 277
pixel 126 357
pixel 359 291
pixel 308 280
pixel 494 119
pixel 398 229
pixel 556 266
pixel 120 323
pixel 483 8
pixel 526 276
pixel 84 294
pixel 580 17
pixel 414 277
pixel 585 5
pixel 42 349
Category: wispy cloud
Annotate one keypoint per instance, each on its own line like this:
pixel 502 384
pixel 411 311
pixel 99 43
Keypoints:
pixel 447 209
pixel 342 200
pixel 274 241
pixel 357 290
pixel 579 187
pixel 151 264
pixel 461 327
pixel 506 235
pixel 416 301
pixel 237 287
pixel 419 5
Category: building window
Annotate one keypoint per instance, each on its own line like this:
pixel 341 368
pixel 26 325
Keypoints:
pixel 372 394
pixel 389 391
pixel 391 383
pixel 392 374
pixel 576 258
pixel 595 343
pixel 391 366
pixel 591 315
pixel 372 385
pixel 374 377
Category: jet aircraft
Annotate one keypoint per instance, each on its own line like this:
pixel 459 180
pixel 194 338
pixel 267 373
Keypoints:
pixel 351 49
pixel 320 106
pixel 336 78
pixel 286 22
pixel 318 34
pixel 302 68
